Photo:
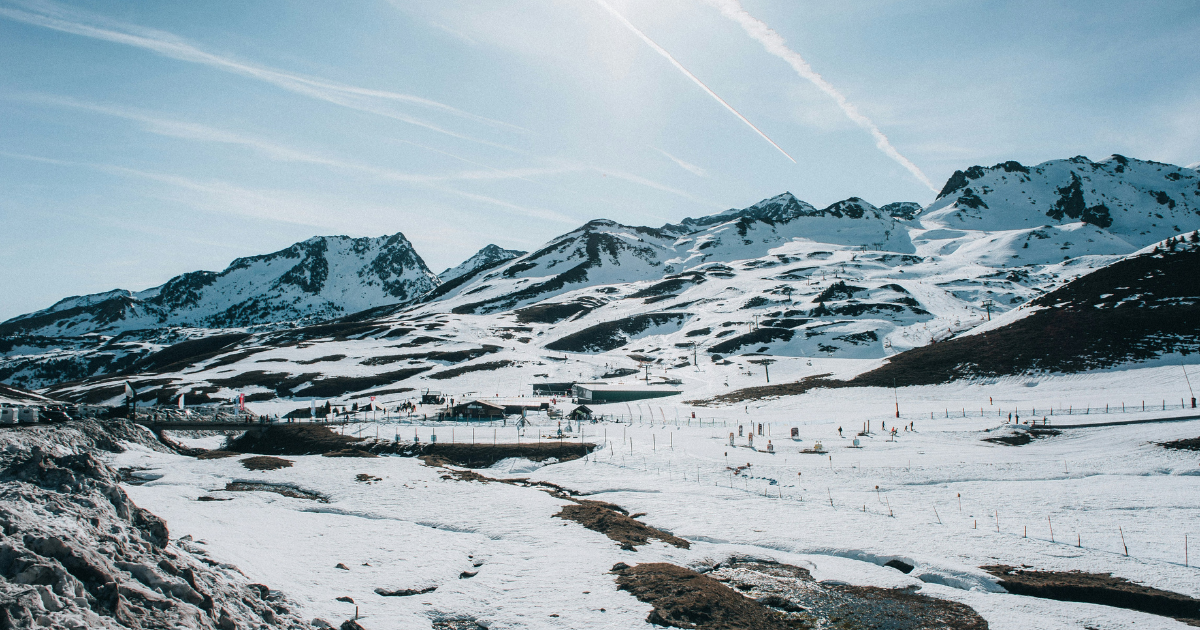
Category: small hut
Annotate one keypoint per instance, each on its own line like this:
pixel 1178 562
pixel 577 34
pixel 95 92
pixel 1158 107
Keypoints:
pixel 581 412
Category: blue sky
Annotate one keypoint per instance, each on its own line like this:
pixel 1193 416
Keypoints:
pixel 141 140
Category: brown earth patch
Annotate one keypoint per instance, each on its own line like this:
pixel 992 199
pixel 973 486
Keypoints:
pixel 384 392
pixel 217 454
pixel 405 592
pixel 334 386
pixel 478 367
pixel 1191 444
pixel 1021 438
pixel 801 386
pixel 292 439
pixel 1097 588
pixel 685 599
pixel 485 455
pixel 747 593
pixel 329 359
pixel 551 313
pixel 281 489
pixel 266 462
pixel 349 452
pixel 614 521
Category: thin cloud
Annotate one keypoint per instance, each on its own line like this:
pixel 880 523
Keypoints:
pixel 267 204
pixel 687 166
pixel 649 183
pixel 66 20
pixel 202 133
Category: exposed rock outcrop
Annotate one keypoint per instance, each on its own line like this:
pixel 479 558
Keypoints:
pixel 75 552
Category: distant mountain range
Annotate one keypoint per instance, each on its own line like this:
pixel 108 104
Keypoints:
pixel 779 277
pixel 318 279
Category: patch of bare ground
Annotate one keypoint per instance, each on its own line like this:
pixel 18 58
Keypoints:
pixel 685 599
pixel 1191 444
pixel 277 488
pixel 801 386
pixel 485 455
pixel 217 454
pixel 349 452
pixel 405 592
pixel 791 592
pixel 292 439
pixel 614 521
pixel 744 593
pixel 478 367
pixel 457 624
pixel 1097 588
pixel 266 462
pixel 1022 436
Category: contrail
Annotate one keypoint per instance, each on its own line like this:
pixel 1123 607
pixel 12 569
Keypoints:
pixel 660 50
pixel 775 45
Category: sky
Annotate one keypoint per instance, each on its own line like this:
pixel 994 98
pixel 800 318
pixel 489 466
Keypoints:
pixel 142 140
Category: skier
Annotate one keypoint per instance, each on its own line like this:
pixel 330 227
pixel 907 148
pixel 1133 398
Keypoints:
pixel 839 431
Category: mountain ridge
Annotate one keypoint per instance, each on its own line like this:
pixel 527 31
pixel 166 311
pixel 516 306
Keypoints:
pixel 318 278
pixel 779 277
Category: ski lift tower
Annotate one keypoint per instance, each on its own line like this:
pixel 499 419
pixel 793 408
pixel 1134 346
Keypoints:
pixel 988 305
pixel 766 363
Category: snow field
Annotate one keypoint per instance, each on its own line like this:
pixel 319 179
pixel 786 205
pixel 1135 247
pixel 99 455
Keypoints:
pixel 416 529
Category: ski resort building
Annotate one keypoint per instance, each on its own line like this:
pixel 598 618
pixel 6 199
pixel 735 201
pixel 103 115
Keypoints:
pixel 619 392
pixel 476 410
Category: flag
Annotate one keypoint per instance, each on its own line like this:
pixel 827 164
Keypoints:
pixel 181 402
pixel 130 392
pixel 241 402
pixel 312 408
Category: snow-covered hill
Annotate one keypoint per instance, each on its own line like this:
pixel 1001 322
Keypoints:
pixel 318 279
pixel 1138 201
pixel 780 277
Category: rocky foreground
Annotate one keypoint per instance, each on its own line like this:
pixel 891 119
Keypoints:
pixel 75 552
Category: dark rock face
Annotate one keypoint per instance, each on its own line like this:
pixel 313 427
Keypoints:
pixel 957 182
pixel 75 552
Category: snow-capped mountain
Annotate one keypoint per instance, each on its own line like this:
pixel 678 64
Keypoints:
pixel 1138 201
pixel 780 277
pixel 489 256
pixel 599 252
pixel 317 279
pixel 604 252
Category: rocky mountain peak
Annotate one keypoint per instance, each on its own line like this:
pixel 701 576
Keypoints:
pixel 489 256
pixel 319 278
